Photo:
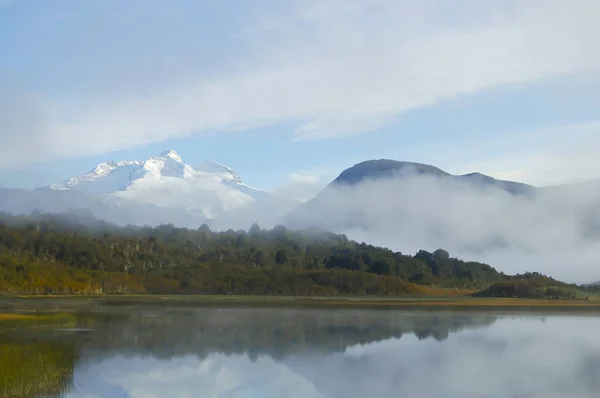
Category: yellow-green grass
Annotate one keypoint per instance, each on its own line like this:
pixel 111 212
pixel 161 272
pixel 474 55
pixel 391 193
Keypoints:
pixel 7 316
pixel 36 321
pixel 40 369
pixel 425 302
pixel 422 301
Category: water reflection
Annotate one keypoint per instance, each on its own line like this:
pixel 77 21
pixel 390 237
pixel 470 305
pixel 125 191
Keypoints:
pixel 278 333
pixel 248 353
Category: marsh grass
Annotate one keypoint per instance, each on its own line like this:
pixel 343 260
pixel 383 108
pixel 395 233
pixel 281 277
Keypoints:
pixel 10 321
pixel 32 365
pixel 37 369
pixel 33 317
pixel 423 303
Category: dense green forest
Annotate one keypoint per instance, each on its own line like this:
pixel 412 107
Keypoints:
pixel 67 254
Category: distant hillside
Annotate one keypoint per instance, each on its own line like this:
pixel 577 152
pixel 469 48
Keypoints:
pixel 411 205
pixel 383 169
pixel 45 254
pixel 350 199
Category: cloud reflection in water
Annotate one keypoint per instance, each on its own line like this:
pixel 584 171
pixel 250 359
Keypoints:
pixel 529 357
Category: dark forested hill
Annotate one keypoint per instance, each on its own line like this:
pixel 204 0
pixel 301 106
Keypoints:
pixel 384 169
pixel 59 254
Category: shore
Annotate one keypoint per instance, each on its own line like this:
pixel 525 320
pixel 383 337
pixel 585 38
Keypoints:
pixel 447 303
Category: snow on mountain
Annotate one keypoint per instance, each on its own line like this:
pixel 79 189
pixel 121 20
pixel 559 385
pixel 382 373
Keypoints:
pixel 208 191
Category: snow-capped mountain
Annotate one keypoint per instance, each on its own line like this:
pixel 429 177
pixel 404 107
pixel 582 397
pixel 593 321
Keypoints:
pixel 208 191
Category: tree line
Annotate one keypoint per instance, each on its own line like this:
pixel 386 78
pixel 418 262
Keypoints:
pixel 44 253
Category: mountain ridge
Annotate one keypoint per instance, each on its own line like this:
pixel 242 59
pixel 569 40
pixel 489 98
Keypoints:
pixel 169 163
pixel 382 170
pixel 379 169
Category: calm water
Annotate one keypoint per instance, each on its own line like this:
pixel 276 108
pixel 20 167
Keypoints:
pixel 251 353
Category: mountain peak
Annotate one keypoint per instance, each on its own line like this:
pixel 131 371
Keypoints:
pixel 384 168
pixel 171 154
pixel 166 181
pixel 104 168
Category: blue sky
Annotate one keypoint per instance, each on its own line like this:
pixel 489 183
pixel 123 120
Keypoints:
pixel 296 91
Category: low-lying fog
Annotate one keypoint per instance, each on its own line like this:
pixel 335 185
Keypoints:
pixel 555 230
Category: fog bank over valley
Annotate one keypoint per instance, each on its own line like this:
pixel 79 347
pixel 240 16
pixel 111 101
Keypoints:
pixel 404 206
pixel 515 227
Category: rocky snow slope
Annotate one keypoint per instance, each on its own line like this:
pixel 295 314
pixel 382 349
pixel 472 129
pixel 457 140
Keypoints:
pixel 208 191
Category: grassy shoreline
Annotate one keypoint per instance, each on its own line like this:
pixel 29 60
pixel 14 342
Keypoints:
pixel 435 302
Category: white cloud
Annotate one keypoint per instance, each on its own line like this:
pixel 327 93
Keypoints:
pixel 268 212
pixel 336 68
pixel 554 232
pixel 306 184
pixel 553 156
pixel 304 178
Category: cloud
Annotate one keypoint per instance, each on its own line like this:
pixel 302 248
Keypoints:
pixel 333 126
pixel 551 156
pixel 335 68
pixel 553 232
pixel 271 210
pixel 304 178
pixel 306 184
pixel 24 118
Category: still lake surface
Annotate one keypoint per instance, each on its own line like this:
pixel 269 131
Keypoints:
pixel 145 351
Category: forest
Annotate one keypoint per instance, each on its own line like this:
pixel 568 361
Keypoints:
pixel 75 254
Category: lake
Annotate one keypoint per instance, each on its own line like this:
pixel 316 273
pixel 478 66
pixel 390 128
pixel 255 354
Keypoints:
pixel 163 351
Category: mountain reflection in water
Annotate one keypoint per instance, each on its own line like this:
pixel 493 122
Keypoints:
pixel 251 352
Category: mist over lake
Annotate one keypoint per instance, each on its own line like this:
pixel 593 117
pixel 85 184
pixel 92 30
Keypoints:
pixel 149 351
